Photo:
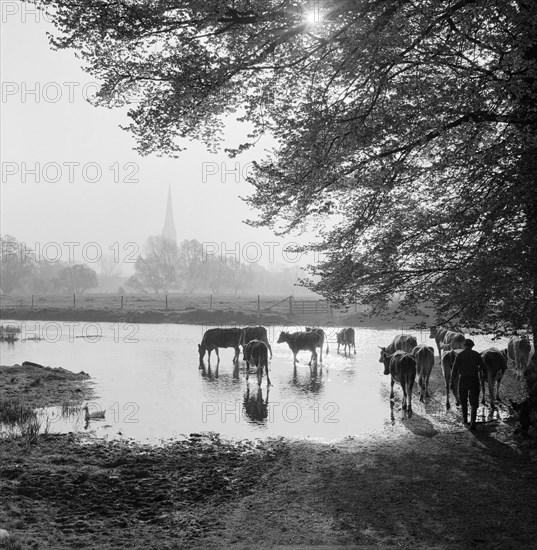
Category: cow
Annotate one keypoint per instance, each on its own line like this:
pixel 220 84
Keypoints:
pixel 496 365
pixel 345 337
pixel 446 339
pixel 215 338
pixel 298 341
pixel 519 350
pixel 322 334
pixel 424 356
pixel 447 360
pixel 402 367
pixel 404 342
pixel 256 352
pixel 255 333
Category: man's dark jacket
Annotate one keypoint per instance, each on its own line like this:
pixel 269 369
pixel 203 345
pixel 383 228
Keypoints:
pixel 468 364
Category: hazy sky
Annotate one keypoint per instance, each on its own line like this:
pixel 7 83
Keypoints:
pixel 91 186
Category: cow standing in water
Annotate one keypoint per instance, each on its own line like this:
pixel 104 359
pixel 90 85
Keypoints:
pixel 256 352
pixel 301 341
pixel 345 337
pixel 215 338
pixel 424 356
pixel 446 339
pixel 322 340
pixel 256 333
pixel 402 367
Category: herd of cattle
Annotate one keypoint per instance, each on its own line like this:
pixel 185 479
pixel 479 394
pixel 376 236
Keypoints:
pixel 403 358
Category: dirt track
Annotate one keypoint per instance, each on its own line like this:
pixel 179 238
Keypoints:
pixel 424 482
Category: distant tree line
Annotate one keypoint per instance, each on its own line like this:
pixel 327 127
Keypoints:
pixel 163 266
pixel 21 271
pixel 166 266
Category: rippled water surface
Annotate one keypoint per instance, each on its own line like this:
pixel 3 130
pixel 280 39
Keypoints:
pixel 147 379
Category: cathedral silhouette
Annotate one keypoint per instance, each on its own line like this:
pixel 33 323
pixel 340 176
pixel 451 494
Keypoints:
pixel 169 231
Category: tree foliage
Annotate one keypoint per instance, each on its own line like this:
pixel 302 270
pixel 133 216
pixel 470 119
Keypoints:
pixel 157 267
pixel 78 278
pixel 16 263
pixel 405 131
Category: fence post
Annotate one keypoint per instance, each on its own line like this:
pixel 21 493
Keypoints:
pixel 74 300
pixel 166 296
pixel 121 302
pixel 32 301
pixel 211 303
pixel 258 304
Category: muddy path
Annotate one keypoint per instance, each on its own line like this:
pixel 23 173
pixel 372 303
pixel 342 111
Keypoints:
pixel 422 482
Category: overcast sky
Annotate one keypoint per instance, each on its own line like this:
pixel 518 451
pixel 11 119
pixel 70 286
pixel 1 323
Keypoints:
pixel 91 186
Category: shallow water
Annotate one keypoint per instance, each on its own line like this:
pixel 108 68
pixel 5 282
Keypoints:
pixel 148 381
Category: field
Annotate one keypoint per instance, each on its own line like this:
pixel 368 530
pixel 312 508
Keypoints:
pixel 188 308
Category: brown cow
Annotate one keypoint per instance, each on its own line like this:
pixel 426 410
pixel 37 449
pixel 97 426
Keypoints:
pixel 298 341
pixel 346 337
pixel 402 367
pixel 255 333
pixel 215 338
pixel 323 339
pixel 424 356
pixel 496 365
pixel 448 358
pixel 404 342
pixel 256 352
pixel 519 350
pixel 446 339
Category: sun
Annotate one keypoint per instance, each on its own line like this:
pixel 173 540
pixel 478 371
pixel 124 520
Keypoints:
pixel 312 18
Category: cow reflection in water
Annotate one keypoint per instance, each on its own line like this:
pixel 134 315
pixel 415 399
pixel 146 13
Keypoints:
pixel 212 374
pixel 311 382
pixel 255 407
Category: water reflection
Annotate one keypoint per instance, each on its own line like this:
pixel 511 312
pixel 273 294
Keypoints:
pixel 161 374
pixel 208 373
pixel 255 407
pixel 309 382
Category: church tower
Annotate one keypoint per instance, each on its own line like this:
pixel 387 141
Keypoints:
pixel 169 231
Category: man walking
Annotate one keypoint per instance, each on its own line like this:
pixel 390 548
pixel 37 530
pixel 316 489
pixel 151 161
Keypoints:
pixel 468 366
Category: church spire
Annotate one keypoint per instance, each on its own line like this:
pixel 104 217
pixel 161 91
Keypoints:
pixel 169 231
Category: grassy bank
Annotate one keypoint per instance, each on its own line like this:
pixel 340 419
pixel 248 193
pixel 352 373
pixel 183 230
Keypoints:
pixel 188 309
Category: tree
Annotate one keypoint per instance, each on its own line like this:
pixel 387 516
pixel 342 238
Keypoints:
pixel 45 277
pixel 157 268
pixel 78 278
pixel 109 266
pixel 16 264
pixel 406 131
pixel 190 264
pixel 216 274
pixel 239 276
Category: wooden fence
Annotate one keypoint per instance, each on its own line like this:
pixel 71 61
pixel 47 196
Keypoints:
pixel 169 302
